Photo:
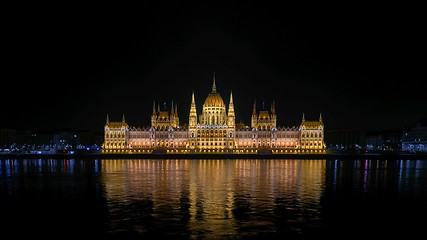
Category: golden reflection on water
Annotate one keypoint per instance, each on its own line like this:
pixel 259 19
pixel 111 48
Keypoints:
pixel 216 199
pixel 215 189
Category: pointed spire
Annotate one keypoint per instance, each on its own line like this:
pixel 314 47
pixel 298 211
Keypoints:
pixel 176 110
pixel 320 117
pixel 231 105
pixel 158 107
pixel 193 111
pixel 192 99
pixel 254 108
pixel 123 119
pixel 214 86
pixel 303 117
pixel 108 120
pixel 154 107
pixel 172 110
pixel 192 119
pixel 273 109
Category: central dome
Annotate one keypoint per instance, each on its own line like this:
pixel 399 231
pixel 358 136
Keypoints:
pixel 214 100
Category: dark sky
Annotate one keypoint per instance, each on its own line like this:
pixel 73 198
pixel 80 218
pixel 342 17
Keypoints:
pixel 68 66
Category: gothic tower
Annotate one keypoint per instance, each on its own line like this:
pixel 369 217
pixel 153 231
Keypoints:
pixel 192 123
pixel 231 124
pixel 273 115
pixel 254 116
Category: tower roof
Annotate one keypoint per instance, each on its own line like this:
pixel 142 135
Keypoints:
pixel 214 99
pixel 264 115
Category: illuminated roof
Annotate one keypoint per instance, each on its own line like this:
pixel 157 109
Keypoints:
pixel 311 124
pixel 117 124
pixel 163 115
pixel 214 100
pixel 264 114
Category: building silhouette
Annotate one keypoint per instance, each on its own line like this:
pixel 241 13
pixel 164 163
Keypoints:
pixel 414 139
pixel 214 130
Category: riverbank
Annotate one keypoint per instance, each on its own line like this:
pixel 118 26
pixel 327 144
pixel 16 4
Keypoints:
pixel 385 156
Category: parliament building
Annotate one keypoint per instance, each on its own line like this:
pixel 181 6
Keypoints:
pixel 214 131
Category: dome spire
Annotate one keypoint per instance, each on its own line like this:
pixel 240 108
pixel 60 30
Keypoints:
pixel 214 86
pixel 193 102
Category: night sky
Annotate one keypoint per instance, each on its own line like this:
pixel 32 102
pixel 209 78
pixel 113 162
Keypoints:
pixel 68 66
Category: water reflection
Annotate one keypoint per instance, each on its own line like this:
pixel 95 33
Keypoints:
pixel 49 198
pixel 403 177
pixel 215 199
pixel 225 197
pixel 23 167
pixel 381 198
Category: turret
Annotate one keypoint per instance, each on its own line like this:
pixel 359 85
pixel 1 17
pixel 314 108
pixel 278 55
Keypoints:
pixel 192 125
pixel 273 109
pixel 154 116
pixel 254 116
pixel 231 115
pixel 273 115
pixel 193 112
pixel 231 123
pixel 176 115
pixel 172 110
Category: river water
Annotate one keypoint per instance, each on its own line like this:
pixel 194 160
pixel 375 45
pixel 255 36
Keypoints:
pixel 213 199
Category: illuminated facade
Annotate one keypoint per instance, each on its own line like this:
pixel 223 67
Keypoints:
pixel 214 131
